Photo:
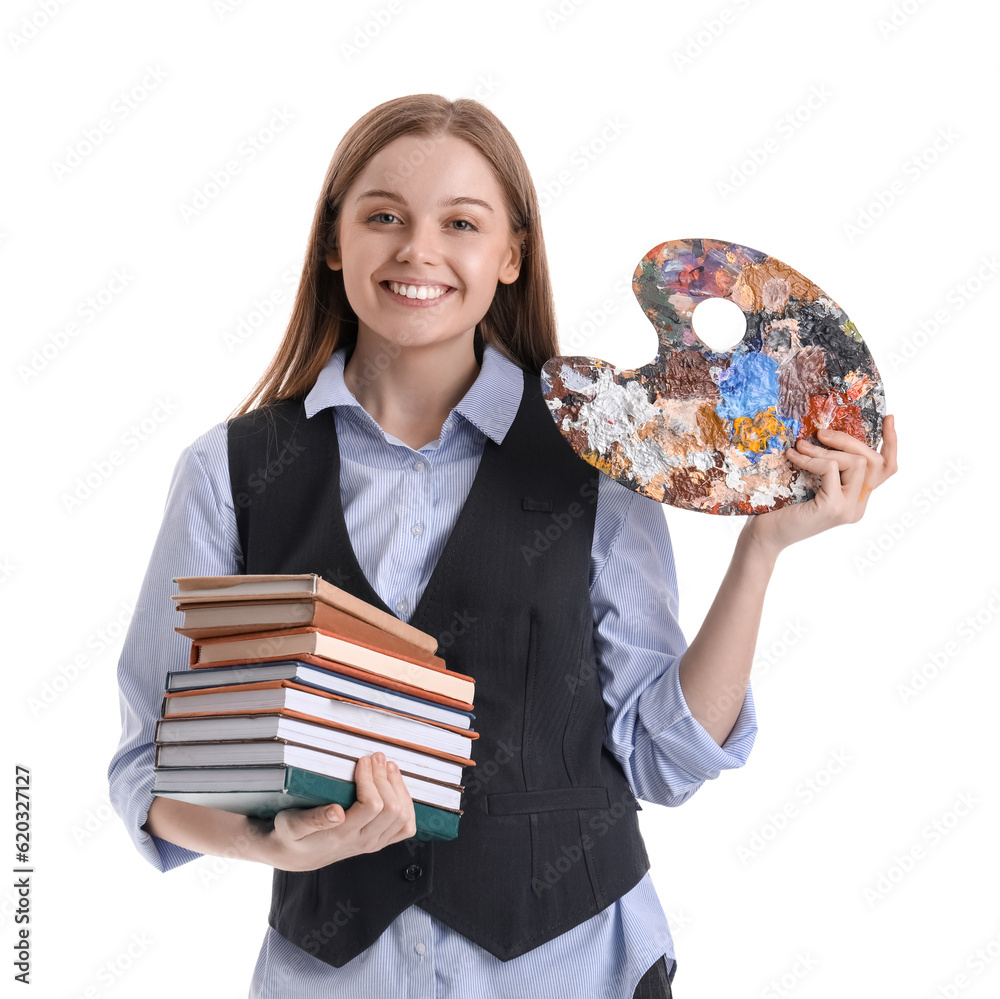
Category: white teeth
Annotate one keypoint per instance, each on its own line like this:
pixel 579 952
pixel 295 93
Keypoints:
pixel 421 291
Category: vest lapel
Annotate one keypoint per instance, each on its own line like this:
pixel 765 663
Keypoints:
pixel 467 519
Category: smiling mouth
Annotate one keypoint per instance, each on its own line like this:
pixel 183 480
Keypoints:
pixel 422 292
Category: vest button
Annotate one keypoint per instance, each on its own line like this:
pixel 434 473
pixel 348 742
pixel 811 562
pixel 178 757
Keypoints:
pixel 412 872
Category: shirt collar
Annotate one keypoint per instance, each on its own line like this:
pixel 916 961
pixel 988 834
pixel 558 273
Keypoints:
pixel 490 405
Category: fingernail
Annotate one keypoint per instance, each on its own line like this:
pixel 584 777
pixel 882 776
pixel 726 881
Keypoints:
pixel 331 814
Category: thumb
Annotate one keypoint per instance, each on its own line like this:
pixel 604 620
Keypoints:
pixel 300 822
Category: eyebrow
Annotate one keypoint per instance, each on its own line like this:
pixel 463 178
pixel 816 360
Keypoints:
pixel 447 203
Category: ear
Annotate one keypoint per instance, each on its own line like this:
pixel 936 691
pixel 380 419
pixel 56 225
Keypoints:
pixel 512 265
pixel 333 260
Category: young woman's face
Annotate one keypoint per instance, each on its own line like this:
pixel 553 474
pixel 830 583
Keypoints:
pixel 423 241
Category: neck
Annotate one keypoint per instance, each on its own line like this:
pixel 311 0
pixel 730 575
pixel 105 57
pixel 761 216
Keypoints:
pixel 411 396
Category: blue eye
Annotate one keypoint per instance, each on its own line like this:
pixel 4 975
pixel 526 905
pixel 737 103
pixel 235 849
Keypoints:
pixel 387 218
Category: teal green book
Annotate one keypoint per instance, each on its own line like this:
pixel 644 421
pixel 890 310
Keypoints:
pixel 268 790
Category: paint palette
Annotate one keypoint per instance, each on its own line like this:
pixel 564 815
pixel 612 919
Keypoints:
pixel 708 430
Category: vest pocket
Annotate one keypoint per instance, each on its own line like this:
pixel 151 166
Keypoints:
pixel 552 800
pixel 555 824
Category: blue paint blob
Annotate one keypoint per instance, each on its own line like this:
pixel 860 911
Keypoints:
pixel 747 386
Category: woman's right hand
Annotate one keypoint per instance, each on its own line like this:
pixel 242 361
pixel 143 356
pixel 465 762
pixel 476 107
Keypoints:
pixel 305 839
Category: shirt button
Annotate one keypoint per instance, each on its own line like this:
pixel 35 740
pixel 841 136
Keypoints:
pixel 416 529
pixel 401 606
pixel 412 872
pixel 418 466
pixel 420 948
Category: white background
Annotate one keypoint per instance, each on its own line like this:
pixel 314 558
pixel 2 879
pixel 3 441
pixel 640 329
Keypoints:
pixel 669 120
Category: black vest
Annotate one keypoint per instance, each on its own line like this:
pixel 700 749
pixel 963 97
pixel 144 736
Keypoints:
pixel 549 834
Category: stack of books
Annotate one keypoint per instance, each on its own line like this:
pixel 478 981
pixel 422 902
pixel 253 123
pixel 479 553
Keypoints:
pixel 292 680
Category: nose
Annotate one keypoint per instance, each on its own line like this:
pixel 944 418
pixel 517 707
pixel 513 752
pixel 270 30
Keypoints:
pixel 420 243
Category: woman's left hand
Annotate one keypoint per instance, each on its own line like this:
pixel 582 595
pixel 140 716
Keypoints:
pixel 849 470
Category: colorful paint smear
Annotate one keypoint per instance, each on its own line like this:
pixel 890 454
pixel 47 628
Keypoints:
pixel 708 430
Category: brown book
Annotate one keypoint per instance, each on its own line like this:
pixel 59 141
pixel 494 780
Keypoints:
pixel 295 586
pixel 370 744
pixel 295 643
pixel 229 618
pixel 357 674
pixel 312 700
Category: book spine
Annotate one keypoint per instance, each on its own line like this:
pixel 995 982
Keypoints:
pixel 323 616
pixel 311 585
pixel 381 712
pixel 365 693
pixel 437 823
pixel 334 666
pixel 432 822
pixel 258 636
pixel 373 672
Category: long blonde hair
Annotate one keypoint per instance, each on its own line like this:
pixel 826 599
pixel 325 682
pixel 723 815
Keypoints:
pixel 521 319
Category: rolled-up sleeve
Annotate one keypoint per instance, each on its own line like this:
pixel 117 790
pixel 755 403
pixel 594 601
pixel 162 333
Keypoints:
pixel 197 537
pixel 665 752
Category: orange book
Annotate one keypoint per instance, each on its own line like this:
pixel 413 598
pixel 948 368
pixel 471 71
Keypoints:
pixel 247 617
pixel 333 652
pixel 292 586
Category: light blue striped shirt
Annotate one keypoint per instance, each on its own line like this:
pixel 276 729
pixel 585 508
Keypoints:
pixel 400 505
